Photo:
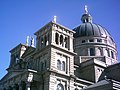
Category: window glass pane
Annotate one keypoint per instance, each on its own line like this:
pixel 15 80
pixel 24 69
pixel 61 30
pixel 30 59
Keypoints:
pixel 66 43
pixel 99 40
pixel 91 40
pixel 83 41
pixel 92 52
pixel 61 40
pixel 58 64
pixel 112 54
pixel 108 53
pixel 56 38
pixel 60 87
pixel 63 66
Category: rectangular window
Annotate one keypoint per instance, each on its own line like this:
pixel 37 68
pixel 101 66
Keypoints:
pixel 92 52
pixel 83 41
pixel 99 40
pixel 91 40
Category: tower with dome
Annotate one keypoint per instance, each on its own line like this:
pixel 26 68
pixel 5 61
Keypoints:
pixel 84 58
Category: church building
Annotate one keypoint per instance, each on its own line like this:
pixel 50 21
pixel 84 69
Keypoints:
pixel 84 58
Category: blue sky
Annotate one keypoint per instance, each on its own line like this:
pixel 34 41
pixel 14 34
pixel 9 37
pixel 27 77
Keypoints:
pixel 20 18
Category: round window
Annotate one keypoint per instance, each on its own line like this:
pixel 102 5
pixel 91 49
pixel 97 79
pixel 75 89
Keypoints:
pixel 60 87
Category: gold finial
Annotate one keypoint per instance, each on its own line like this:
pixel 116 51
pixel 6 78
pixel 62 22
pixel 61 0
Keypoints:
pixel 55 19
pixel 86 9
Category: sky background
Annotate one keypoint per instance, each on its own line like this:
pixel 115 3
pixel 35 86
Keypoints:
pixel 20 18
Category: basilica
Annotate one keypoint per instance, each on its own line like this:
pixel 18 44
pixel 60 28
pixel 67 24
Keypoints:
pixel 84 58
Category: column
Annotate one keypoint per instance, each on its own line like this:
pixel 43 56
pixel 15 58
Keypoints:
pixel 71 44
pixel 52 37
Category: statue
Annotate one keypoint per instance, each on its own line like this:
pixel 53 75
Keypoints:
pixel 32 42
pixel 86 9
pixel 27 40
pixel 54 19
pixel 30 77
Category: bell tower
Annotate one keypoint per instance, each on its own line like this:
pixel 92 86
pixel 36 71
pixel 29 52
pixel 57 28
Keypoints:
pixel 55 43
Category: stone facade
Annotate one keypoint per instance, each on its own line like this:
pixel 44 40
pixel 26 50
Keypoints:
pixel 63 59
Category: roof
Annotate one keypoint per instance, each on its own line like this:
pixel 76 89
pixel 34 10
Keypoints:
pixel 91 29
pixel 99 85
pixel 52 22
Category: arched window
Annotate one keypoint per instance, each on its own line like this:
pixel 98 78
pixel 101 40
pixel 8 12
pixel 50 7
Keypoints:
pixel 42 42
pixel 46 42
pixel 63 66
pixel 66 42
pixel 112 54
pixel 61 40
pixel 76 89
pixel 48 37
pixel 60 87
pixel 108 52
pixel 56 38
pixel 92 52
pixel 58 64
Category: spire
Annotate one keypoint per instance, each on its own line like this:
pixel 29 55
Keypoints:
pixel 86 17
pixel 55 19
